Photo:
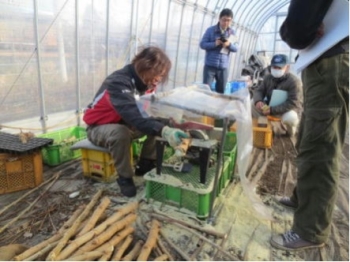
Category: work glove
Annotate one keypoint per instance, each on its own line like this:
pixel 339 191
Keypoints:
pixel 173 135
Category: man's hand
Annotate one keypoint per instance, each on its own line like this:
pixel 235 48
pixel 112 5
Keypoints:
pixel 259 105
pixel 173 135
pixel 226 44
pixel 218 42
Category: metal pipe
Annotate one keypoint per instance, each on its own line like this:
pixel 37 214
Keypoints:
pixel 107 38
pixel 200 37
pixel 77 56
pixel 178 44
pixel 190 41
pixel 43 116
pixel 136 27
pixel 151 24
pixel 219 168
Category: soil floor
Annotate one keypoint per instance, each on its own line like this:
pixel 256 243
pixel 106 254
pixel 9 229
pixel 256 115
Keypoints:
pixel 244 231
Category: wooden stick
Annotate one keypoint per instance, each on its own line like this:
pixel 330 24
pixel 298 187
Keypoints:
pixel 107 254
pixel 204 230
pixel 89 256
pixel 42 252
pixel 25 211
pixel 52 239
pixel 165 251
pixel 70 232
pixel 223 241
pixel 106 235
pixel 117 238
pixel 208 241
pixel 98 230
pixel 54 177
pixel 173 246
pixel 150 242
pixel 95 216
pixel 163 257
pixel 135 251
pixel 119 253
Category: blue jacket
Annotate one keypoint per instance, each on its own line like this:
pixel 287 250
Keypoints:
pixel 213 57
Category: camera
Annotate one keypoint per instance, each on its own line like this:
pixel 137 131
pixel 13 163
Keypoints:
pixel 223 38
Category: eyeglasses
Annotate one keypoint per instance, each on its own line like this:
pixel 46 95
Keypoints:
pixel 226 20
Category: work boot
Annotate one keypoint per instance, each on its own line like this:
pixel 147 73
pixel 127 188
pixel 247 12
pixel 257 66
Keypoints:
pixel 292 241
pixel 127 186
pixel 287 202
pixel 144 166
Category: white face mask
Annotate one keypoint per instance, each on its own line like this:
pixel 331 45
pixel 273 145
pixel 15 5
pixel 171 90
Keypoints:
pixel 277 72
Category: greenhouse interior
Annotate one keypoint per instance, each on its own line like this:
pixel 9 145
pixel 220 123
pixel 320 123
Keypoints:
pixel 105 155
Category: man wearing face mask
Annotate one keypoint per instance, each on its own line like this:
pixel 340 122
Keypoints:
pixel 279 79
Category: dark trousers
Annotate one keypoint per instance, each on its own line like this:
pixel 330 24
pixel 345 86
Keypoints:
pixel 220 75
pixel 117 138
pixel 321 137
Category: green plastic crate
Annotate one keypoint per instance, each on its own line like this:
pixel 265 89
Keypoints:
pixel 60 152
pixel 232 155
pixel 184 190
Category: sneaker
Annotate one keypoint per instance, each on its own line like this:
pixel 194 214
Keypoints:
pixel 144 166
pixel 127 186
pixel 287 202
pixel 292 241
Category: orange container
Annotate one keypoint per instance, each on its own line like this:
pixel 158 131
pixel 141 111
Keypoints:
pixel 19 172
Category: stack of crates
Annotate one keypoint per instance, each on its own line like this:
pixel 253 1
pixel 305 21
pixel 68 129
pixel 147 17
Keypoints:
pixel 183 190
pixel 60 152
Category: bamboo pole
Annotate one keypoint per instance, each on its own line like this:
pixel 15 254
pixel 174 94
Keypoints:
pixel 107 254
pixel 163 257
pixel 95 216
pixel 31 251
pixel 42 252
pixel 134 252
pixel 98 230
pixel 150 242
pixel 25 211
pixel 107 234
pixel 54 177
pixel 89 256
pixel 70 232
pixel 119 253
pixel 117 238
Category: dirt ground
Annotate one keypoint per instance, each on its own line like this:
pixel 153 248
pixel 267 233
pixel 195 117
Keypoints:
pixel 42 213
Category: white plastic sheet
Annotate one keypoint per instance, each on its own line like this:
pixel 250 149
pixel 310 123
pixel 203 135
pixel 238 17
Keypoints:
pixel 181 102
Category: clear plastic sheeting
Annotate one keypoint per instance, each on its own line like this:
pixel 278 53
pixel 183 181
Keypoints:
pixel 184 102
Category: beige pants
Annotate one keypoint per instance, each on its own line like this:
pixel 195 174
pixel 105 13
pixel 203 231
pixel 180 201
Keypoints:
pixel 118 138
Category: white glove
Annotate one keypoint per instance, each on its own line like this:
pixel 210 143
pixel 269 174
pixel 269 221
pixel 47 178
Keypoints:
pixel 173 135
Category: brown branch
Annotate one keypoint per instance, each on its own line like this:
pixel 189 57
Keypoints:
pixel 98 230
pixel 119 253
pixel 25 211
pixel 54 177
pixel 151 241
pixel 95 216
pixel 134 252
pixel 31 251
pixel 176 248
pixel 204 230
pixel 70 232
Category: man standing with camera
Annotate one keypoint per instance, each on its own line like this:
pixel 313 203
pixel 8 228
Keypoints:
pixel 218 42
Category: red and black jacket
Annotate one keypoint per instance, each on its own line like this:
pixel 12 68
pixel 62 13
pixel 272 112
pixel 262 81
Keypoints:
pixel 115 103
